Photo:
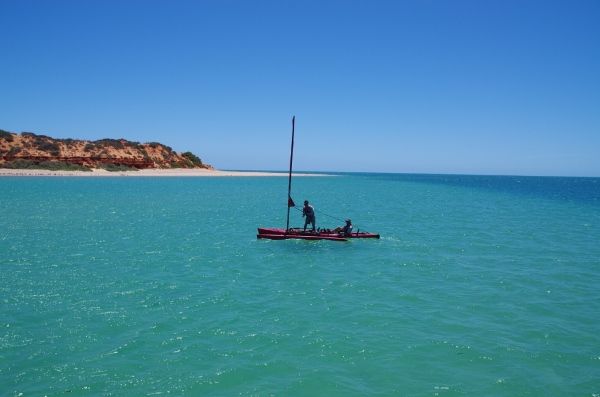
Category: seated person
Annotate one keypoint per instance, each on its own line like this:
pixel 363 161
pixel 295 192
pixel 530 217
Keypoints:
pixel 345 230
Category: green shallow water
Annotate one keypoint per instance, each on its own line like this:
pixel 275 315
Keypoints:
pixel 158 286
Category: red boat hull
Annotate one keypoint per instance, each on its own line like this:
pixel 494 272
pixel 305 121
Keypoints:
pixel 282 234
pixel 298 237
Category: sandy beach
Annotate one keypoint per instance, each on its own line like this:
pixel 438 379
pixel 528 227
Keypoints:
pixel 177 172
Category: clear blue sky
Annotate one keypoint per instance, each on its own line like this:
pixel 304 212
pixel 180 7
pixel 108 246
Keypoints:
pixel 478 87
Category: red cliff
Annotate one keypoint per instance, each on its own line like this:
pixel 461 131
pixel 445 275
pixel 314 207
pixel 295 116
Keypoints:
pixel 29 148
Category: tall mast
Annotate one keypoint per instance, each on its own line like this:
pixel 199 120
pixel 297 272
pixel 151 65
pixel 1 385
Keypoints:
pixel 287 225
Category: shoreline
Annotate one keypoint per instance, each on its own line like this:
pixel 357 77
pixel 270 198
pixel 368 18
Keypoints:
pixel 173 172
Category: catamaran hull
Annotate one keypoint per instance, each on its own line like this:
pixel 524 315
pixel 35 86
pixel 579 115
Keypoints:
pixel 282 234
pixel 297 237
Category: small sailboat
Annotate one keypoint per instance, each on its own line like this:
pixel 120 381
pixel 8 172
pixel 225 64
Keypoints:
pixel 299 233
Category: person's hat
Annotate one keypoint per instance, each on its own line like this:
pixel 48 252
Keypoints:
pixel 348 221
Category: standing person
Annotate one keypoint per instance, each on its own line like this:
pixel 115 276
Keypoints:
pixel 308 212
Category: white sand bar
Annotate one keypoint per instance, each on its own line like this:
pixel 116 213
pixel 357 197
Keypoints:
pixel 198 172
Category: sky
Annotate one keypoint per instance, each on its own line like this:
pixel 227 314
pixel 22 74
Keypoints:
pixel 446 86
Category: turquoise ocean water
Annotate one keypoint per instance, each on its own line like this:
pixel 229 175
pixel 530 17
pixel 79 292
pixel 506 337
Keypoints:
pixel 479 286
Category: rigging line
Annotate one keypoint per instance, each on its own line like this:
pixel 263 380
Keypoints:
pixel 333 217
pixel 323 213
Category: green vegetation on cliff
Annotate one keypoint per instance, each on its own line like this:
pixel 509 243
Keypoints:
pixel 118 168
pixel 6 135
pixel 44 165
pixel 193 158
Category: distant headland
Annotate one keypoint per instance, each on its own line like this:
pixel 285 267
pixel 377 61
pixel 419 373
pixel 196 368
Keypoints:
pixel 32 151
pixel 29 154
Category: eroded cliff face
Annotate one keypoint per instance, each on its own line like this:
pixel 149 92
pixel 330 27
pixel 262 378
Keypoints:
pixel 92 154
